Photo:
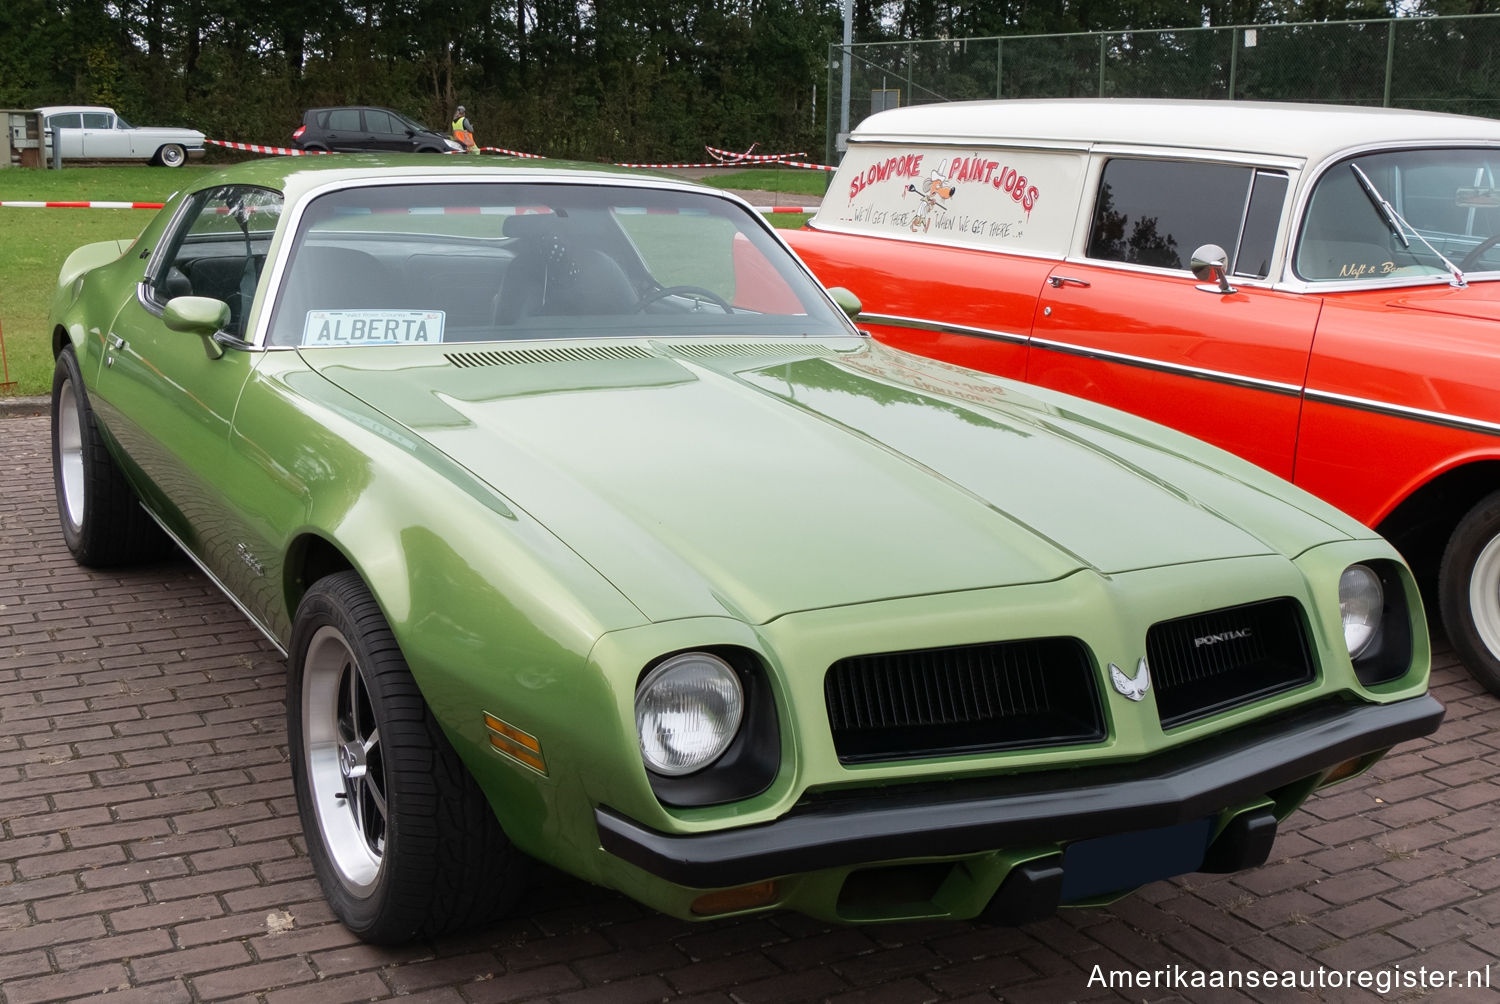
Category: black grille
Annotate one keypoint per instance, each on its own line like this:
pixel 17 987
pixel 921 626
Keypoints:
pixel 936 702
pixel 1225 658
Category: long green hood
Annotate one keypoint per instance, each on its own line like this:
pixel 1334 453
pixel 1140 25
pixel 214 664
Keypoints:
pixel 759 479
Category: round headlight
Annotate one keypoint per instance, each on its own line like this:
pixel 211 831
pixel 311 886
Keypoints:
pixel 687 711
pixel 1361 601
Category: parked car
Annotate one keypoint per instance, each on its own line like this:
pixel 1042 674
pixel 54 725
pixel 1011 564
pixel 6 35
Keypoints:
pixel 364 129
pixel 93 132
pixel 594 532
pixel 1345 339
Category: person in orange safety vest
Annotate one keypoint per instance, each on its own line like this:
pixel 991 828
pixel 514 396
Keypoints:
pixel 463 130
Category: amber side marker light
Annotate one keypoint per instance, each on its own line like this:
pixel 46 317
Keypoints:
pixel 739 898
pixel 1346 770
pixel 515 743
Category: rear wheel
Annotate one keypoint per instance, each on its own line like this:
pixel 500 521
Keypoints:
pixel 402 840
pixel 171 155
pixel 102 521
pixel 1469 591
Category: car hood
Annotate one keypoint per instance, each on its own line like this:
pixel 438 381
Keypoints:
pixel 1479 300
pixel 169 133
pixel 759 479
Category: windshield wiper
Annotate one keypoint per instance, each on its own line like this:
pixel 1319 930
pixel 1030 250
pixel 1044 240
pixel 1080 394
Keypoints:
pixel 1397 222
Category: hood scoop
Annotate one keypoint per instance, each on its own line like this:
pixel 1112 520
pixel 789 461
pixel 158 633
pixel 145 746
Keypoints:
pixel 746 350
pixel 556 354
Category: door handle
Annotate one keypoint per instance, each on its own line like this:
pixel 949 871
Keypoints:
pixel 115 341
pixel 1059 281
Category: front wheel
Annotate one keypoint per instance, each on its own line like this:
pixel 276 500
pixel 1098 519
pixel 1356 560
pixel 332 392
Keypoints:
pixel 102 522
pixel 402 840
pixel 1469 591
pixel 171 155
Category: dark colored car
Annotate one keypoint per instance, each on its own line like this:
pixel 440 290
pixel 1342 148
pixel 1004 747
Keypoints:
pixel 356 128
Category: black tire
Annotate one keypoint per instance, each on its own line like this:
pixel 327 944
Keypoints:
pixel 1469 591
pixel 171 155
pixel 102 520
pixel 402 840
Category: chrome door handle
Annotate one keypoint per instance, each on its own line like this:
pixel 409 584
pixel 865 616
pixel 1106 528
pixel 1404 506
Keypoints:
pixel 1059 281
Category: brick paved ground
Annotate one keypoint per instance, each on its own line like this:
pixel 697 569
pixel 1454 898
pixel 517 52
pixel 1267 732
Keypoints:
pixel 150 847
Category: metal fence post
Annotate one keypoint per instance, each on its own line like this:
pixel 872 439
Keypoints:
pixel 1234 58
pixel 1390 59
pixel 1101 64
pixel 999 66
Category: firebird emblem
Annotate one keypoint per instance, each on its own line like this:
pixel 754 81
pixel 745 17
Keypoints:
pixel 1133 689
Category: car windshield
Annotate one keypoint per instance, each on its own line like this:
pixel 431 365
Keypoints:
pixel 1450 197
pixel 472 262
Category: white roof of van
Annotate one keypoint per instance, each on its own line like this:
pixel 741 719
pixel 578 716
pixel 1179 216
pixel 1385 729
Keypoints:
pixel 1310 131
pixel 63 109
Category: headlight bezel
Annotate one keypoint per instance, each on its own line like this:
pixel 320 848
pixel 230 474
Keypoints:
pixel 750 761
pixel 1387 654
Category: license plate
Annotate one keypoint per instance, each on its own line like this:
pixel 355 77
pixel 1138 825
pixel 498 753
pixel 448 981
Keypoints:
pixel 1122 861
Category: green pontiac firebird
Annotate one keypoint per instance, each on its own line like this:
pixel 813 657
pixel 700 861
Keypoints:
pixel 594 532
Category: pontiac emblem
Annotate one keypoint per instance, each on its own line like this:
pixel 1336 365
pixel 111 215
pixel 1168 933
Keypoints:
pixel 1133 689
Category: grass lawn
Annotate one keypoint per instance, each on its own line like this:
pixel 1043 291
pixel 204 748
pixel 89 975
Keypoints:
pixel 793 180
pixel 34 242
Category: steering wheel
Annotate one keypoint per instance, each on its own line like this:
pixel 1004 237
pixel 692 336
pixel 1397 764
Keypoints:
pixel 661 292
pixel 1478 252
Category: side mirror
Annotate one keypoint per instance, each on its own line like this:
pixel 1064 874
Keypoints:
pixel 198 315
pixel 847 301
pixel 1210 264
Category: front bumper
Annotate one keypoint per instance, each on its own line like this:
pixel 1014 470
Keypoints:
pixel 1284 754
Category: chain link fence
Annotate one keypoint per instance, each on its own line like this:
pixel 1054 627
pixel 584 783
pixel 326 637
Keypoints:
pixel 1435 63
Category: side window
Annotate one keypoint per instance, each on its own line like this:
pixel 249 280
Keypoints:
pixel 1262 220
pixel 218 249
pixel 1157 212
pixel 379 121
pixel 97 120
pixel 70 120
pixel 344 120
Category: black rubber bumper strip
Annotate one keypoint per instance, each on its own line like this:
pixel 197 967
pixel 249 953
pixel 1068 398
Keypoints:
pixel 971 816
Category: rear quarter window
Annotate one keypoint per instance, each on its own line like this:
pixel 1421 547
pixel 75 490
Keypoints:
pixel 1156 212
pixel 1005 199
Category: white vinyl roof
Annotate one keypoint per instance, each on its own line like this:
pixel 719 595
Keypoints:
pixel 1309 131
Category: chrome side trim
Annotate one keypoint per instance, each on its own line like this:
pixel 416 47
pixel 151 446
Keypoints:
pixel 896 321
pixel 1402 411
pixel 1177 369
pixel 1197 373
pixel 219 585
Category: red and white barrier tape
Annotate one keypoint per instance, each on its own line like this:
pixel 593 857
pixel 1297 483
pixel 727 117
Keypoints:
pixel 512 153
pixel 284 151
pixel 83 205
pixel 730 157
pixel 785 209
pixel 765 163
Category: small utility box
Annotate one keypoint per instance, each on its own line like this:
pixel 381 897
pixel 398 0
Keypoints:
pixel 25 143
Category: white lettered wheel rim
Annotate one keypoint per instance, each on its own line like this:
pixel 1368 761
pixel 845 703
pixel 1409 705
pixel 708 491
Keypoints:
pixel 1484 596
pixel 70 454
pixel 344 761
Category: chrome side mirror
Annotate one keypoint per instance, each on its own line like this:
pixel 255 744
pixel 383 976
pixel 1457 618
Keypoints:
pixel 1210 264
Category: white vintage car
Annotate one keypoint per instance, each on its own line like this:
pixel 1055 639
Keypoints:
pixel 93 132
